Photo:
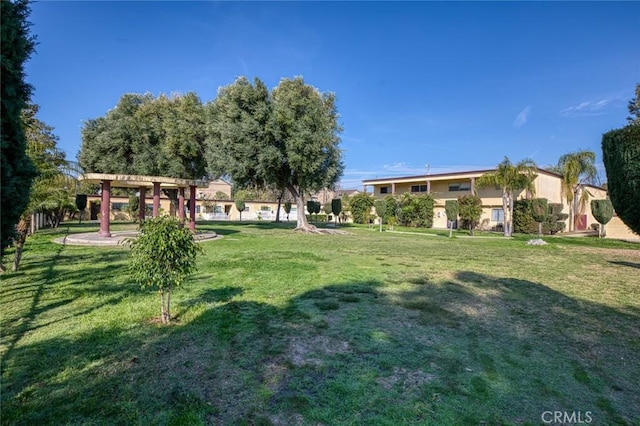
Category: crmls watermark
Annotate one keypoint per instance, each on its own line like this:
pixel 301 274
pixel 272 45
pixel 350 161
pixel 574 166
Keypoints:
pixel 567 417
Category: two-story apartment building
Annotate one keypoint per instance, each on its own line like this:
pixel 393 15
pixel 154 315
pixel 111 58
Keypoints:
pixel 448 186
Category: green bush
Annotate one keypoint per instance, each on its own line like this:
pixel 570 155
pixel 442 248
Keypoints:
pixel 134 206
pixel 621 157
pixel 602 211
pixel 523 221
pixel 416 210
pixel 451 209
pixel 390 209
pixel 470 210
pixel 555 221
pixel 360 205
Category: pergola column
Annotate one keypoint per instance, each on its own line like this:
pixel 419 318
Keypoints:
pixel 181 205
pixel 393 188
pixel 156 199
pixel 142 207
pixel 105 220
pixel 428 187
pixel 473 185
pixel 192 207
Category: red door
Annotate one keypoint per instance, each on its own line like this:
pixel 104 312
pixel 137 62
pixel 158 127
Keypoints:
pixel 581 222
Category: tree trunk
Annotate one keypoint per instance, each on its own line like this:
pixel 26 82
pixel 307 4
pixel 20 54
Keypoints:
pixel 172 194
pixel 507 214
pixel 168 306
pixel 511 224
pixel 278 209
pixel 22 232
pixel 302 223
pixel 450 228
pixel 539 229
pixel 163 312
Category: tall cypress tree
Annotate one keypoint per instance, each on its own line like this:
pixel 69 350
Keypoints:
pixel 17 170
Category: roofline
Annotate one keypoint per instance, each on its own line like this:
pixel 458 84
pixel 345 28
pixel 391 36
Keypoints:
pixel 439 175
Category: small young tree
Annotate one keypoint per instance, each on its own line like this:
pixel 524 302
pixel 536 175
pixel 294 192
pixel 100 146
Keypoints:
pixel 317 208
pixel 287 208
pixel 336 208
pixel 381 207
pixel 239 202
pixel 313 207
pixel 134 207
pixel 539 211
pixel 81 204
pixel 602 211
pixel 162 256
pixel 470 210
pixel 451 209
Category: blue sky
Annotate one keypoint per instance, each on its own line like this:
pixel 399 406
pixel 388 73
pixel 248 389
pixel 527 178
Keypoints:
pixel 455 85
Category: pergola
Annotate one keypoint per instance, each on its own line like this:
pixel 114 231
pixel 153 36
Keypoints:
pixel 107 181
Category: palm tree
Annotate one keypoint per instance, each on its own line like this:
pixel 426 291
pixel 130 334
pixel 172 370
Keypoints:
pixel 53 189
pixel 577 169
pixel 511 178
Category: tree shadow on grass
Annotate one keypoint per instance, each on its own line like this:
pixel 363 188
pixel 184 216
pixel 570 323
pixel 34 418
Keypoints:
pixel 624 263
pixel 469 350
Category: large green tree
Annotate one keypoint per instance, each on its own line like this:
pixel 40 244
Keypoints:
pixel 16 169
pixel 145 135
pixel 512 178
pixel 148 136
pixel 286 139
pixel 577 169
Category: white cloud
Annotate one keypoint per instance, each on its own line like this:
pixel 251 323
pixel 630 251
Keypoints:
pixel 587 108
pixel 522 118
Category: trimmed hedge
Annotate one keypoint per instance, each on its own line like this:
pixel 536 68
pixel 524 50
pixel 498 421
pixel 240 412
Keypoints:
pixel 621 157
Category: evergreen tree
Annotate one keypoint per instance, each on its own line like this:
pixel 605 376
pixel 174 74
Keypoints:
pixel 17 170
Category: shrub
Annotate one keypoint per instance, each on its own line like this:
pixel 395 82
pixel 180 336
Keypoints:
pixel 555 221
pixel 239 202
pixel 416 210
pixel 523 221
pixel 287 208
pixel 134 206
pixel 451 210
pixel 540 211
pixel 390 209
pixel 360 205
pixel 602 211
pixel 470 210
pixel 380 206
pixel 621 157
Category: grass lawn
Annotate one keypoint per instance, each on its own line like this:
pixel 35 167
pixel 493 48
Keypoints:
pixel 280 328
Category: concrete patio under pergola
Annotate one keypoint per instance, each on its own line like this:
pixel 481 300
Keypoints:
pixel 156 183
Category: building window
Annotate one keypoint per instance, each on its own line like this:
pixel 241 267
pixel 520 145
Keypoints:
pixel 384 189
pixel 265 208
pixel 246 209
pixel 119 206
pixel 197 209
pixel 217 209
pixel 418 188
pixel 497 215
pixel 461 186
